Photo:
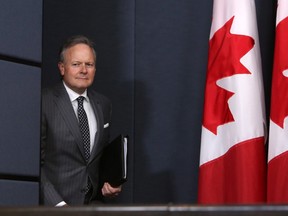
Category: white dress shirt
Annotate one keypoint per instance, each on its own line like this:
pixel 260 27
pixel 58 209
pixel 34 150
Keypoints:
pixel 88 109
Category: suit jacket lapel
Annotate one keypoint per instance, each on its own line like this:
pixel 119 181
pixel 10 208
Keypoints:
pixel 63 102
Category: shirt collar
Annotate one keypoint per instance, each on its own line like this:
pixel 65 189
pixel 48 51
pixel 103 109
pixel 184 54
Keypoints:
pixel 73 95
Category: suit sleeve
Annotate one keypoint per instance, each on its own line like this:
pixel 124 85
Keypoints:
pixel 49 195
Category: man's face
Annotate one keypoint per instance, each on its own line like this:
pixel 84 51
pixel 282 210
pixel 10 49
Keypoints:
pixel 78 69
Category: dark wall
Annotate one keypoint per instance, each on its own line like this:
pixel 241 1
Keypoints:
pixel 20 88
pixel 152 57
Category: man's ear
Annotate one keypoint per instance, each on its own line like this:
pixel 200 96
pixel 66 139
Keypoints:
pixel 61 68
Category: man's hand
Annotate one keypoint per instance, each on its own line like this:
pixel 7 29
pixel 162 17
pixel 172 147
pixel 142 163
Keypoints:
pixel 109 191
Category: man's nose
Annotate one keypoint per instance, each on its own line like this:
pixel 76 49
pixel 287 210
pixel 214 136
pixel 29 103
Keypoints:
pixel 83 67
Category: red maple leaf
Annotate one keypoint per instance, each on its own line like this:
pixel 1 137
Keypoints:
pixel 279 98
pixel 225 52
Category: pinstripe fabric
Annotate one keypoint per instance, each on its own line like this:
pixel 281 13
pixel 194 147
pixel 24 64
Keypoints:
pixel 64 172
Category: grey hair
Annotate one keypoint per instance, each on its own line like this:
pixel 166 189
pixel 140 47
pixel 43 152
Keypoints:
pixel 74 40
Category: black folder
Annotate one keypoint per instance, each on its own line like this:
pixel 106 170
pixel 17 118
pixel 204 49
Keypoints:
pixel 114 161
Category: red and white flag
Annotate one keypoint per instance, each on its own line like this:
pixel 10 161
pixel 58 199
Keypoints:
pixel 277 189
pixel 232 158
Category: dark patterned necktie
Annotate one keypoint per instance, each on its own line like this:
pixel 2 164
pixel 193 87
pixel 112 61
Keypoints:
pixel 84 127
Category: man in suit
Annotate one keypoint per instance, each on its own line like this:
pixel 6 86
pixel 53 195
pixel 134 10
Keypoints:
pixel 70 160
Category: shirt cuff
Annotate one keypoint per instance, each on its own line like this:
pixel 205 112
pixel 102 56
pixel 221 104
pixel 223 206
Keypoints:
pixel 61 204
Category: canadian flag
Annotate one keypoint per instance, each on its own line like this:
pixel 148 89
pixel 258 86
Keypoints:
pixel 277 189
pixel 232 157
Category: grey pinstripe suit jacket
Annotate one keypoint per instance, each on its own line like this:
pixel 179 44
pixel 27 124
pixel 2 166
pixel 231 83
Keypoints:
pixel 64 172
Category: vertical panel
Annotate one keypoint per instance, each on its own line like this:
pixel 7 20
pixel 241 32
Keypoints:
pixel 20 88
pixel 18 193
pixel 171 53
pixel 21 29
pixel 20 119
pixel 266 20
